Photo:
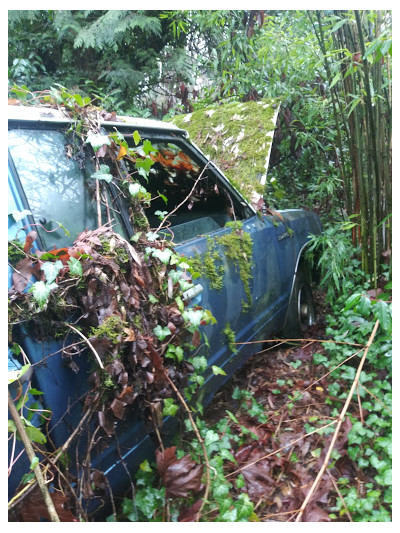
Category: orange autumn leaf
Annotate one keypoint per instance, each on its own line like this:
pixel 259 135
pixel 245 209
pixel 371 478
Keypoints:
pixel 122 152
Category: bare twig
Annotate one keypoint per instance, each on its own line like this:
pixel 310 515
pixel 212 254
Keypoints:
pixel 199 438
pixel 279 514
pixel 377 399
pixel 359 404
pixel 98 202
pixel 28 488
pixel 340 495
pixel 338 426
pixel 31 455
pixel 185 200
pixel 88 343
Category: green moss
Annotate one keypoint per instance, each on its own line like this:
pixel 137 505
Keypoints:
pixel 237 137
pixel 209 266
pixel 230 337
pixel 14 254
pixel 140 221
pixel 112 329
pixel 239 249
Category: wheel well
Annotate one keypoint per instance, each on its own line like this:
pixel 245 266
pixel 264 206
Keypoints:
pixel 308 263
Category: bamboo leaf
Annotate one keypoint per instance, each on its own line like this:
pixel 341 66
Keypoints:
pixel 335 80
pixel 383 313
pixel 338 25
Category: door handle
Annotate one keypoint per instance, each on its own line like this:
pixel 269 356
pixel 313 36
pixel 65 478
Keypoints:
pixel 192 292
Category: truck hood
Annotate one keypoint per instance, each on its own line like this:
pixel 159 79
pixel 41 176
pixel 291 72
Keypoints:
pixel 237 137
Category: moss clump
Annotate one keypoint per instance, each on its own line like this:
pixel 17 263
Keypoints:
pixel 14 251
pixel 207 265
pixel 112 328
pixel 239 249
pixel 237 137
pixel 119 252
pixel 230 337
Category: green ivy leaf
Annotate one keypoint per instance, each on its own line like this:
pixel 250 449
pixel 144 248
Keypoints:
pixel 35 392
pixel 34 462
pixel 226 454
pixel 240 481
pixel 148 500
pixel 148 147
pixel 180 304
pixel 136 188
pixel 35 434
pixel 19 215
pixel 136 137
pixel 244 507
pixel 41 291
pixel 103 174
pixel 163 198
pixel 11 426
pixel 161 332
pixel 199 363
pixel 163 255
pixel 51 270
pixel 145 466
pixel 218 371
pixel 97 140
pixel 15 375
pixel 211 436
pixel 170 407
pixel 385 478
pixel 220 490
pixel 75 267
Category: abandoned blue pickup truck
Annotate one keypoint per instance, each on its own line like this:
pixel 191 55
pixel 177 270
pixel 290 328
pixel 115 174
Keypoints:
pixel 48 189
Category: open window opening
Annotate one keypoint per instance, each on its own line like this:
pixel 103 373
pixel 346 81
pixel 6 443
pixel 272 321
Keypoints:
pixel 198 202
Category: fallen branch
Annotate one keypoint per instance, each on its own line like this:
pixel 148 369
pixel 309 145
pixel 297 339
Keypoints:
pixel 339 424
pixel 31 456
pixel 284 341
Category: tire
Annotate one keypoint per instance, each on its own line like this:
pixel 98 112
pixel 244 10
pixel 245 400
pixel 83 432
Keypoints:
pixel 301 313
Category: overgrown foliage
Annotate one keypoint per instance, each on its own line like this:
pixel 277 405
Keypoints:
pixel 124 300
pixel 332 153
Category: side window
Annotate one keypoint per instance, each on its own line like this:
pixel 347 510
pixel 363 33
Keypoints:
pixel 198 201
pixel 56 188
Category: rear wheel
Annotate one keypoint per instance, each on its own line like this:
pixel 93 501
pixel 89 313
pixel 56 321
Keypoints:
pixel 301 313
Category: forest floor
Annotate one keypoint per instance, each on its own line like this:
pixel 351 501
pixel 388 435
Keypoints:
pixel 286 461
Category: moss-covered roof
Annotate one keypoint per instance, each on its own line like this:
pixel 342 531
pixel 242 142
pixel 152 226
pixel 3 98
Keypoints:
pixel 237 137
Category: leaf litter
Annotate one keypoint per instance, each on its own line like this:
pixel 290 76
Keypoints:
pixel 277 459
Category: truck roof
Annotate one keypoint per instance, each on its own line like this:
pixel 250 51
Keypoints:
pixel 48 114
